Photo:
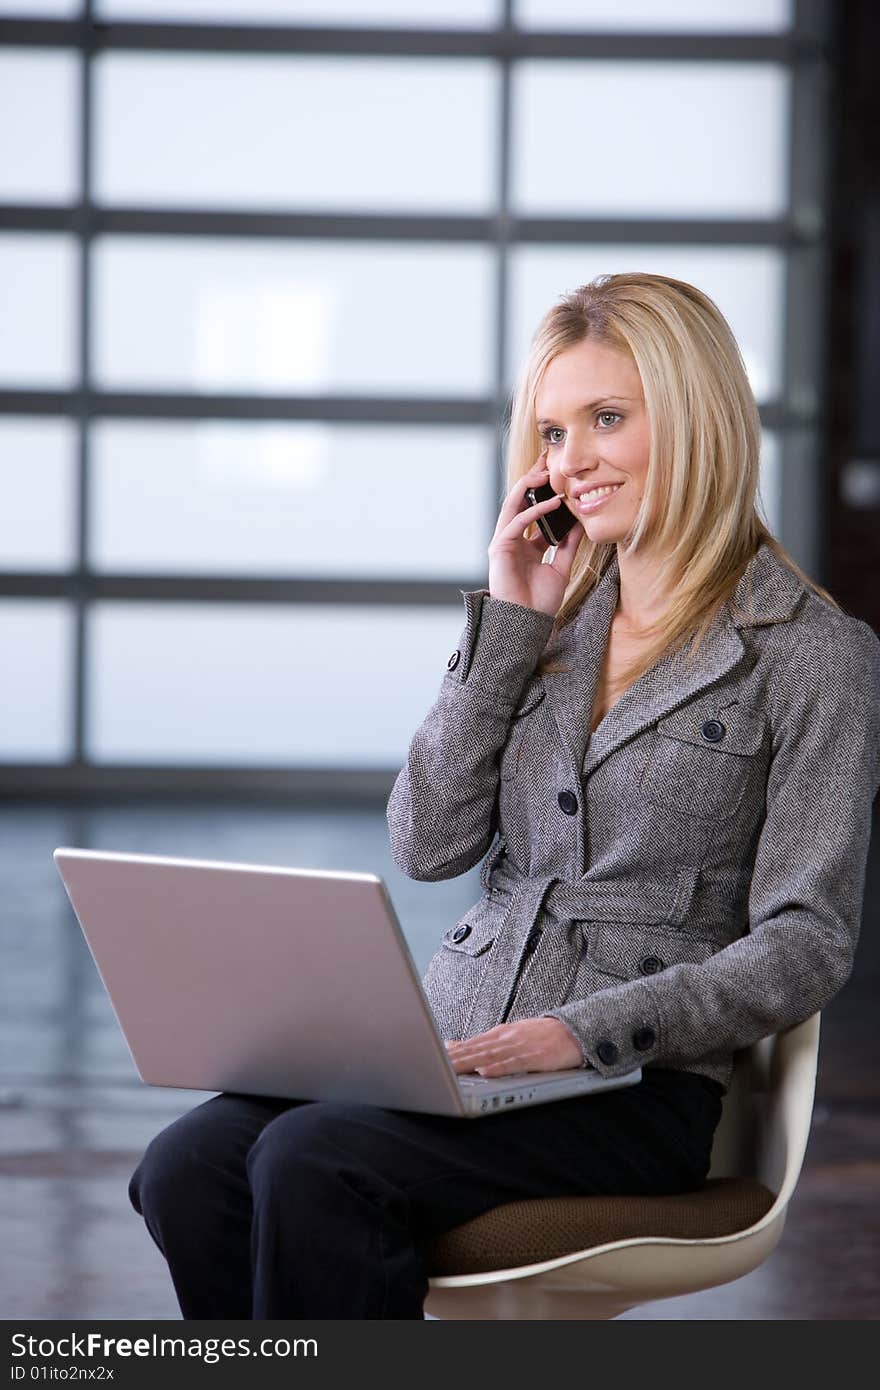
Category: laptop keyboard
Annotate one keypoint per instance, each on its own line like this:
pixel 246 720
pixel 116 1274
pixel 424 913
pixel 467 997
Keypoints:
pixel 511 1078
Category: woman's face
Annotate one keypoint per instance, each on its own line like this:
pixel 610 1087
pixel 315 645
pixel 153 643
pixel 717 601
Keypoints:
pixel 590 412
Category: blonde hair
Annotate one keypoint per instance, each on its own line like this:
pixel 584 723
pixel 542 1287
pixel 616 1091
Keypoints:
pixel 698 512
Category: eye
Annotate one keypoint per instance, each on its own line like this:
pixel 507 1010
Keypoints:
pixel 613 415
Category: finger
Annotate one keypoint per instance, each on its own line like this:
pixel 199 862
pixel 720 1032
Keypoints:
pixel 473 1058
pixel 539 544
pixel 464 1059
pixel 539 467
pixel 495 1053
pixel 513 504
pixel 463 1063
pixel 523 517
pixel 466 1053
pixel 536 475
pixel 530 1060
pixel 501 1068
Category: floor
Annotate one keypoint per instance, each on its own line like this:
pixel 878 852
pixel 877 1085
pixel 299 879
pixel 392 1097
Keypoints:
pixel 75 1117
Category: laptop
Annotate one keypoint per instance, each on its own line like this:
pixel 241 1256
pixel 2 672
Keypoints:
pixel 281 982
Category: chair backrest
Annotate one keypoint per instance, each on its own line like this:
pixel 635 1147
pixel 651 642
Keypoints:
pixel 767 1111
pixel 733 1149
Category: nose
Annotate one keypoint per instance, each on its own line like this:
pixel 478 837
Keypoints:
pixel 570 464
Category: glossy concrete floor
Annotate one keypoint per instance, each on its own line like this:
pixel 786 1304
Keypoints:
pixel 75 1117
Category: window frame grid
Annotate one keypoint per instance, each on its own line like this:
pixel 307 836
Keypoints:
pixel 798 415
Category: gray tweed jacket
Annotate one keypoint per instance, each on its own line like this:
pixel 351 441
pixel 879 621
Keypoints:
pixel 686 880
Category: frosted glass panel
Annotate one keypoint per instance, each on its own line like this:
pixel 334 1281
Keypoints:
pixel 366 14
pixel 37 473
pixel 291 499
pixel 650 139
pixel 647 16
pixel 36 695
pixel 769 502
pixel 37 323
pixel 213 315
pixel 333 685
pixel 41 9
pixel 280 133
pixel 39 117
pixel 747 284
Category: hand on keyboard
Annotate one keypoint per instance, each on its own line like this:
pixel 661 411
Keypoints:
pixel 531 1044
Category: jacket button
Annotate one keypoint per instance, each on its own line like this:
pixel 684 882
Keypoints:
pixel 644 1039
pixel 714 730
pixel 650 965
pixel 461 932
pixel 453 660
pixel 606 1051
pixel 569 802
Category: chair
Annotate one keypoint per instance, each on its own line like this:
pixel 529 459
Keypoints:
pixel 595 1257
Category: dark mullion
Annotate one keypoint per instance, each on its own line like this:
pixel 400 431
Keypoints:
pixel 497 482
pixel 367 226
pixel 124 781
pixel 336 409
pixel 503 42
pixel 805 271
pixel 367 590
pixel 812 24
pixel 347 410
pixel 79 592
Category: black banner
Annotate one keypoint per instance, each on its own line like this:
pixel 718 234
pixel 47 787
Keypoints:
pixel 130 1355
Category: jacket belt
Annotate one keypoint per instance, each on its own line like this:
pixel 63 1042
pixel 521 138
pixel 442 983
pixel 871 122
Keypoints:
pixel 642 900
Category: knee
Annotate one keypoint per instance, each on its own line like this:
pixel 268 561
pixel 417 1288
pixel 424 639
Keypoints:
pixel 159 1175
pixel 319 1135
pixel 184 1163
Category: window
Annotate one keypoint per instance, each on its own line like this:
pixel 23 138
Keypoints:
pixel 265 294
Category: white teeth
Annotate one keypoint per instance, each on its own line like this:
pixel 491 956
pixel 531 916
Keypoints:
pixel 598 492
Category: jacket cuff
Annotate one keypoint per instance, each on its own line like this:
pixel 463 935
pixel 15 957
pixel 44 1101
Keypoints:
pixel 618 1029
pixel 500 645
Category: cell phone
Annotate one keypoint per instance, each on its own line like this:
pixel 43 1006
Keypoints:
pixel 554 526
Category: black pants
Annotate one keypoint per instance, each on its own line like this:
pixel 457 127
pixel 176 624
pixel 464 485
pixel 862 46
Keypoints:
pixel 313 1209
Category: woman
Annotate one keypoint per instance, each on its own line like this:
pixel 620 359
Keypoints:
pixel 675 734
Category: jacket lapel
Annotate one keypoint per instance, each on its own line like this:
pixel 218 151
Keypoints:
pixel 767 589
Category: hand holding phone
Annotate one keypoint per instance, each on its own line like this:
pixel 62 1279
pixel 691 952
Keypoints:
pixel 516 569
pixel 554 525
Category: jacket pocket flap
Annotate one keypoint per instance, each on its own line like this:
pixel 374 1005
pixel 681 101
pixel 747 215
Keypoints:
pixel 742 730
pixel 629 952
pixel 472 934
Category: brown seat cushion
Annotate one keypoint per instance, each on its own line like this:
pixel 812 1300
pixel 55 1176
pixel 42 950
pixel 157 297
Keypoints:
pixel 527 1232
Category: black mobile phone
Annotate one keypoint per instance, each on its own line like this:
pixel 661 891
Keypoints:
pixel 554 526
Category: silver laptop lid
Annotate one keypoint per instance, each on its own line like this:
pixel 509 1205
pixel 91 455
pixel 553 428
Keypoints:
pixel 263 979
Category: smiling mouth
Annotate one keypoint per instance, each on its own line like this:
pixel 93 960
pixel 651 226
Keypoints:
pixel 589 501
